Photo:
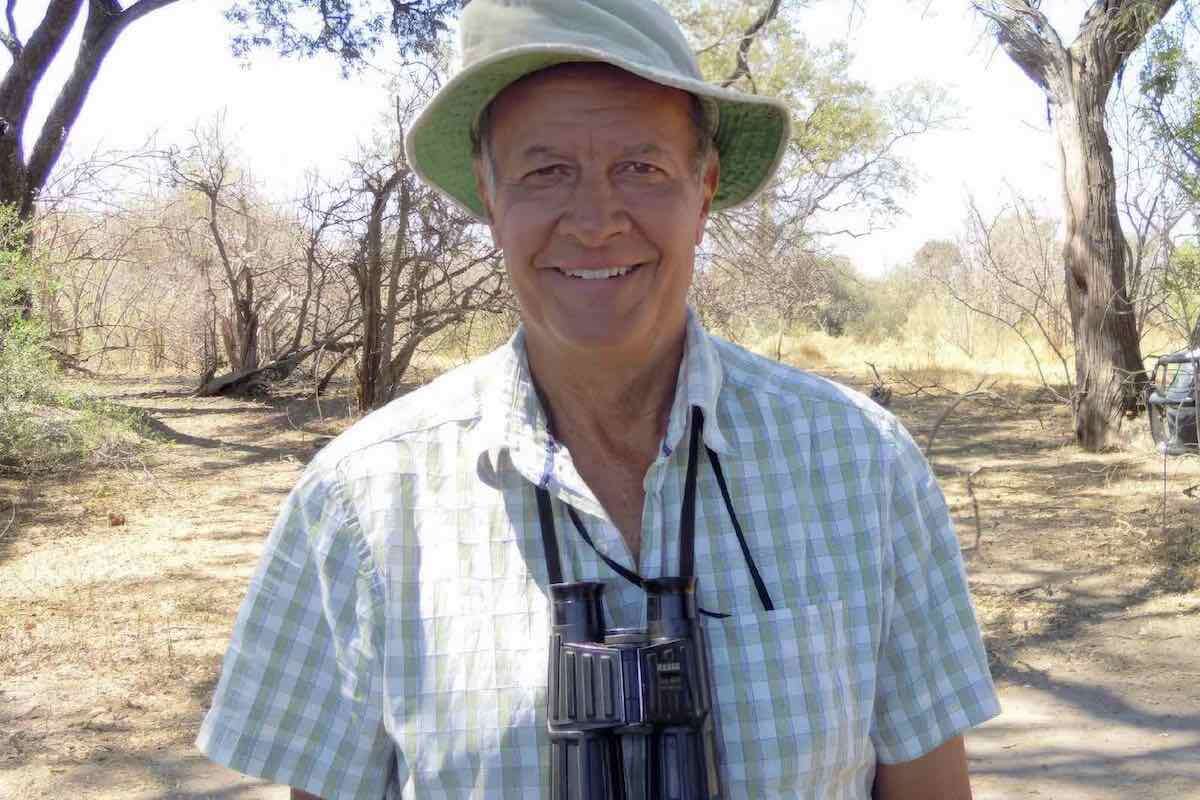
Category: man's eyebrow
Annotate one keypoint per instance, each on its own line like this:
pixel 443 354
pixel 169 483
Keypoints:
pixel 644 149
pixel 540 151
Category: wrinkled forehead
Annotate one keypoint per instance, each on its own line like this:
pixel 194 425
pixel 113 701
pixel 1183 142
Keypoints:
pixel 593 81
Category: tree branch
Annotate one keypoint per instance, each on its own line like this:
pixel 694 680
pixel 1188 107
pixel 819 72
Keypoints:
pixel 104 24
pixel 1122 18
pixel 743 64
pixel 142 8
pixel 9 37
pixel 1115 28
pixel 948 410
pixel 1026 36
pixel 23 75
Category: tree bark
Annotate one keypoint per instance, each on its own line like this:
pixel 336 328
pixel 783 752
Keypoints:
pixel 1077 80
pixel 1108 359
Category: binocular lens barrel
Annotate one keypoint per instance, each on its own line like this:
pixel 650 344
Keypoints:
pixel 578 611
pixel 670 606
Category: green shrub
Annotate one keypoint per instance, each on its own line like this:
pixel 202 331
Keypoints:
pixel 1181 290
pixel 885 308
pixel 67 432
pixel 41 428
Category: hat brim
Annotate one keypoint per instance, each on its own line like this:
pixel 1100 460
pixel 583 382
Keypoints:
pixel 751 136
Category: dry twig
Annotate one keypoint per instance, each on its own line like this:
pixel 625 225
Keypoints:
pixel 975 506
pixel 978 391
pixel 11 519
pixel 917 388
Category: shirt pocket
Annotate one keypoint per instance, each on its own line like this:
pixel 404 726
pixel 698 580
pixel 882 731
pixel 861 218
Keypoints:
pixel 790 722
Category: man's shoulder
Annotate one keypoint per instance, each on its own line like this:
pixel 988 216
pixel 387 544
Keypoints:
pixel 454 398
pixel 811 395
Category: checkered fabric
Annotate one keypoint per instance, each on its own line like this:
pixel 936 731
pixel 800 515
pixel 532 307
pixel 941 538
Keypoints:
pixel 394 639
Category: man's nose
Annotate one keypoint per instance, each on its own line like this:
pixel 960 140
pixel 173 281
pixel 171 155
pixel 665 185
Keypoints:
pixel 595 213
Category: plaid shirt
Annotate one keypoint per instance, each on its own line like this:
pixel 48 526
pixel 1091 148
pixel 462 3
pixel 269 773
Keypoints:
pixel 393 643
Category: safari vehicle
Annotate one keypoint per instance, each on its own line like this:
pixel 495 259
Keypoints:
pixel 1171 402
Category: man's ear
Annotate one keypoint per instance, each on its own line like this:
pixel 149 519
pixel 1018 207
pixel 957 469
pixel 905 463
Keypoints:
pixel 711 179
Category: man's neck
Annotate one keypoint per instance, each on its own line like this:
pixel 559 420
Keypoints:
pixel 611 417
pixel 620 408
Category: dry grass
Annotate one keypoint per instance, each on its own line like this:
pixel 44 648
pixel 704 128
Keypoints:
pixel 923 350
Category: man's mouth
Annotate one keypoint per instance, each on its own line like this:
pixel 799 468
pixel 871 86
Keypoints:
pixel 598 274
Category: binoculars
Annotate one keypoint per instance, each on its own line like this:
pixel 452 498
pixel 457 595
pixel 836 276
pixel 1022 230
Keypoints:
pixel 630 711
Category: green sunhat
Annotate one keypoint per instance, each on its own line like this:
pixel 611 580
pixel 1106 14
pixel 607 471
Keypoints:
pixel 504 40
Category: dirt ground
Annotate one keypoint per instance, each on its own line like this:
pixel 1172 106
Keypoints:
pixel 111 635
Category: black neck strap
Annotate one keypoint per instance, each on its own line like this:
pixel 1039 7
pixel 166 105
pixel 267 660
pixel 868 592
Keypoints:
pixel 687 526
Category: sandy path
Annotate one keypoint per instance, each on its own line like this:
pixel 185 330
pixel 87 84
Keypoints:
pixel 118 632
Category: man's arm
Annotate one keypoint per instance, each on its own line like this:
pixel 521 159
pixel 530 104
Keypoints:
pixel 940 774
pixel 307 641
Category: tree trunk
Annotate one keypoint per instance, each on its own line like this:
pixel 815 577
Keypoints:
pixel 248 338
pixel 402 361
pixel 372 389
pixel 1077 81
pixel 1108 361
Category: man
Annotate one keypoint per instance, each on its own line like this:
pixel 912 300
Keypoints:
pixel 394 640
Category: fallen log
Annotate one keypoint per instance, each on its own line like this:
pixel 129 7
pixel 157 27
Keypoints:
pixel 255 382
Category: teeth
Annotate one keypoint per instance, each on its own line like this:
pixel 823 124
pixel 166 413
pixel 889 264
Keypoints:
pixel 596 274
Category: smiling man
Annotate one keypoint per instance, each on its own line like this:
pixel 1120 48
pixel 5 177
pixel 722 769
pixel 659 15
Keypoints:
pixel 395 637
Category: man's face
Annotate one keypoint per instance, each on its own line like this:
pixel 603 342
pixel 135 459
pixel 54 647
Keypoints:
pixel 597 203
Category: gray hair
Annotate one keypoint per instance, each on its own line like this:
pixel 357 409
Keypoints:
pixel 703 146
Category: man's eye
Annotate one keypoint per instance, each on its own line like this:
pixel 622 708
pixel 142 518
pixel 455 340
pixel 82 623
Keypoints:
pixel 547 172
pixel 640 168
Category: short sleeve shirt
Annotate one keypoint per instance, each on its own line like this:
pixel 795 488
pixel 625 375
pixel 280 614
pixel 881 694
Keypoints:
pixel 394 639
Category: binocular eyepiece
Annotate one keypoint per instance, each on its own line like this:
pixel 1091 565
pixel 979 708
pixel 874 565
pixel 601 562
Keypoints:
pixel 630 710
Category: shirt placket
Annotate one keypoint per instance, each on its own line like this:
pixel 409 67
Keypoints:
pixel 655 561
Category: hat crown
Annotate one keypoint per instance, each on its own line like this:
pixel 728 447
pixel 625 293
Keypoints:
pixel 638 31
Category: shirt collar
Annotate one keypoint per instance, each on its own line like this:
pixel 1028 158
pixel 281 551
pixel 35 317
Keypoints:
pixel 698 385
pixel 513 421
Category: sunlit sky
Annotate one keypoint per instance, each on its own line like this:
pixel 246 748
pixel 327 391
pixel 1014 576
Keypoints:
pixel 173 69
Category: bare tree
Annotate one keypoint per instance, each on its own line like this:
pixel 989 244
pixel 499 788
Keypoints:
pixel 206 167
pixel 422 265
pixel 1005 270
pixel 108 290
pixel 110 294
pixel 1076 80
pixel 947 274
pixel 1152 204
pixel 262 269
